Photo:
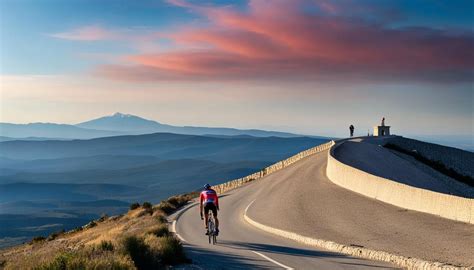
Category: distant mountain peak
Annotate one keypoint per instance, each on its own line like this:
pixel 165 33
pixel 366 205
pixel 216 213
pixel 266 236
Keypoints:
pixel 122 115
pixel 123 123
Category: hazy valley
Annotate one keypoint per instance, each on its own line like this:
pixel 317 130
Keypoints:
pixel 47 185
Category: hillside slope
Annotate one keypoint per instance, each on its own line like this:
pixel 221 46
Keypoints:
pixel 162 145
pixel 138 239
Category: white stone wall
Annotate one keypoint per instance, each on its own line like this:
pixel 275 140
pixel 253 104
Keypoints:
pixel 388 191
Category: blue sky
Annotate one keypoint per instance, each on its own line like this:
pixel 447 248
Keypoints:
pixel 27 25
pixel 411 61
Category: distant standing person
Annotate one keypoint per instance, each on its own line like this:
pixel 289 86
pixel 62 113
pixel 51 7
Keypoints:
pixel 351 129
pixel 383 121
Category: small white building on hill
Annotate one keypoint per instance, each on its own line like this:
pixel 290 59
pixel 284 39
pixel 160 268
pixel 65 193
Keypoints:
pixel 382 130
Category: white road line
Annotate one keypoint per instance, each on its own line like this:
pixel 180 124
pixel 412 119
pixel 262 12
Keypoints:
pixel 263 256
pixel 273 261
pixel 248 206
pixel 177 215
pixel 173 226
pixel 173 229
pixel 180 238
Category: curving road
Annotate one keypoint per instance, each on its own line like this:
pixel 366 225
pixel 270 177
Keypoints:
pixel 300 198
pixel 241 246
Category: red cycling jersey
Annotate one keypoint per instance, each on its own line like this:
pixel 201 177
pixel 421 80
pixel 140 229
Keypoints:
pixel 209 196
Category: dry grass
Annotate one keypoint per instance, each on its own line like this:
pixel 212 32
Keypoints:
pixel 104 245
pixel 159 230
pixel 86 259
pixel 173 203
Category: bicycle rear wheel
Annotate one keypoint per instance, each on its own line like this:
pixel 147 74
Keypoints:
pixel 210 229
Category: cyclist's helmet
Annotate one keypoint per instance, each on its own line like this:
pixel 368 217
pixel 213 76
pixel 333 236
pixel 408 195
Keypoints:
pixel 207 186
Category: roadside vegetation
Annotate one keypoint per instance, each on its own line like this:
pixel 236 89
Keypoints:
pixel 138 240
pixel 173 203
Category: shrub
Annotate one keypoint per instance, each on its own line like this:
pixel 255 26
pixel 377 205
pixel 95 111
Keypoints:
pixel 77 229
pixel 171 204
pixel 147 205
pixel 60 262
pixel 89 225
pixel 86 259
pixel 141 254
pixel 114 218
pixel 54 235
pixel 160 230
pixel 161 219
pixel 174 200
pixel 179 201
pixel 103 218
pixel 37 239
pixel 149 211
pixel 106 245
pixel 166 207
pixel 171 251
pixel 134 206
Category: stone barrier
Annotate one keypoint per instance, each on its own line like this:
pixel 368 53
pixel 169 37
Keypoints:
pixel 232 184
pixel 378 255
pixel 401 195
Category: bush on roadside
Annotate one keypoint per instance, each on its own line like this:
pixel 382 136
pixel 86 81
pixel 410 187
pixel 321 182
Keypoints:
pixel 178 201
pixel 171 204
pixel 171 251
pixel 166 207
pixel 134 206
pixel 160 230
pixel 161 219
pixel 140 252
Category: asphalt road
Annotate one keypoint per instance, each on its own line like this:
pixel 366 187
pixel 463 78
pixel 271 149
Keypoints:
pixel 301 199
pixel 241 246
pixel 323 210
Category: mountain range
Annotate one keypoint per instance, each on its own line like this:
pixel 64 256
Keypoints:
pixel 118 124
pixel 50 184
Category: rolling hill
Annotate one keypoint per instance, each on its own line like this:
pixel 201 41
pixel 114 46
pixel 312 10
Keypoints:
pixel 162 145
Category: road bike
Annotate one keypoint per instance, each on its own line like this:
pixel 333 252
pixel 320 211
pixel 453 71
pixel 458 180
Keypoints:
pixel 211 228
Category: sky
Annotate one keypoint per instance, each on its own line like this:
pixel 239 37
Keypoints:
pixel 310 67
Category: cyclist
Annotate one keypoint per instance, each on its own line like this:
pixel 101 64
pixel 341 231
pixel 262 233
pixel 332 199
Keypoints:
pixel 209 201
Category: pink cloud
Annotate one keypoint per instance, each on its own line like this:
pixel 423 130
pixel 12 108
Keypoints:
pixel 275 39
